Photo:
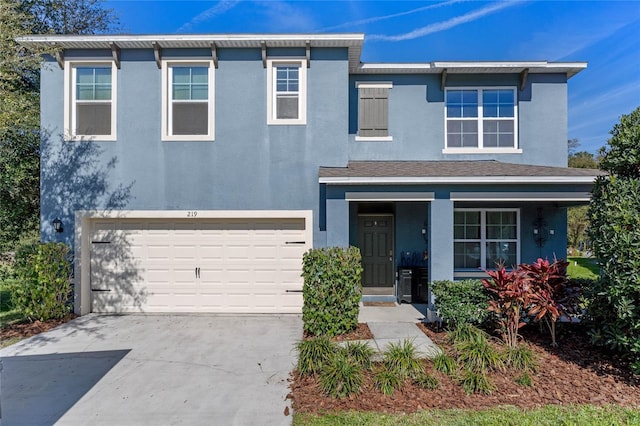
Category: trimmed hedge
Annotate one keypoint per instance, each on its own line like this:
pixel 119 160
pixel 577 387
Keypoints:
pixel 332 290
pixel 42 289
pixel 461 302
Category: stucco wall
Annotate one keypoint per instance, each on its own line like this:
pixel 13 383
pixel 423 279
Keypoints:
pixel 249 165
pixel 417 123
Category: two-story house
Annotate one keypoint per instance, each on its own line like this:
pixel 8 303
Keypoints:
pixel 191 172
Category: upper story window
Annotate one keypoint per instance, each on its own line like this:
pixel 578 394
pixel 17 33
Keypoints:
pixel 483 119
pixel 286 91
pixel 485 238
pixel 90 100
pixel 187 100
pixel 373 111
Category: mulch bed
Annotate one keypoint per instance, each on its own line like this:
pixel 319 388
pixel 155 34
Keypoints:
pixel 27 329
pixel 573 373
pixel 361 332
pixel 381 304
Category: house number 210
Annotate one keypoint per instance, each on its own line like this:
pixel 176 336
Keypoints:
pixel 192 213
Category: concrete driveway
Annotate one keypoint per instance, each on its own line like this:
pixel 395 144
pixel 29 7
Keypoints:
pixel 153 370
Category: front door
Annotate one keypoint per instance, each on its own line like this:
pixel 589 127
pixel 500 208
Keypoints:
pixel 375 239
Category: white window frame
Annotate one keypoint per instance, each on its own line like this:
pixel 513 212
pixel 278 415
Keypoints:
pixel 70 99
pixel 271 91
pixel 374 85
pixel 480 149
pixel 483 235
pixel 166 100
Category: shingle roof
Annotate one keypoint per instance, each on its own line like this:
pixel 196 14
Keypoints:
pixel 450 169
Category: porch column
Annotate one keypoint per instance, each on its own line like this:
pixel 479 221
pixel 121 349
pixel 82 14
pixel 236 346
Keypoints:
pixel 441 239
pixel 338 223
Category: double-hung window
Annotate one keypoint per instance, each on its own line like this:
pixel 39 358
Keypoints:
pixel 483 119
pixel 373 111
pixel 485 238
pixel 286 92
pixel 90 100
pixel 187 98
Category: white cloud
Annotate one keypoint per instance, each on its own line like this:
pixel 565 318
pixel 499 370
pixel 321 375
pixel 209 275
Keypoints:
pixel 221 7
pixel 393 15
pixel 445 25
pixel 281 17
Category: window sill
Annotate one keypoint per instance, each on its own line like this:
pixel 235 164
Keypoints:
pixel 374 138
pixel 286 123
pixel 89 138
pixel 482 151
pixel 188 138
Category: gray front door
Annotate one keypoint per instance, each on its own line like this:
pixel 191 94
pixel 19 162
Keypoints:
pixel 375 239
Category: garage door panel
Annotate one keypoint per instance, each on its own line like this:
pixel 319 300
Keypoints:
pixel 245 265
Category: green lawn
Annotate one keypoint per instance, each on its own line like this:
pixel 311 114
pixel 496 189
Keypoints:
pixel 548 415
pixel 583 267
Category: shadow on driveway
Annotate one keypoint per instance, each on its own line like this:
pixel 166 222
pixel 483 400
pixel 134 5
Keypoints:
pixel 39 389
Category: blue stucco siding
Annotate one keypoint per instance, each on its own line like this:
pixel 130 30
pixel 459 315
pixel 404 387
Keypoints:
pixel 417 123
pixel 249 166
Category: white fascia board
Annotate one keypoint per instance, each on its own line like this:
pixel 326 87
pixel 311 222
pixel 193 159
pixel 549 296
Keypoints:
pixel 489 64
pixel 60 38
pixel 458 180
pixel 392 66
pixel 520 196
pixel 389 196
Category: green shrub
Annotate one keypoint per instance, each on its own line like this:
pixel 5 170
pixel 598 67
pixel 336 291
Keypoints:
pixel 460 302
pixel 402 358
pixel 476 382
pixel 387 380
pixel 445 364
pixel 341 376
pixel 332 290
pixel 313 354
pixel 614 213
pixel 360 352
pixel 42 289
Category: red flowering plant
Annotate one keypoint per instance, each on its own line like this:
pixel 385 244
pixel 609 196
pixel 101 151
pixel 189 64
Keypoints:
pixel 551 296
pixel 512 293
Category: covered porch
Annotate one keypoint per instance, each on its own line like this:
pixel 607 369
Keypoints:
pixel 419 222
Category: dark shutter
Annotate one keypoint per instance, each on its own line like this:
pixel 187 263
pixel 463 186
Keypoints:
pixel 373 112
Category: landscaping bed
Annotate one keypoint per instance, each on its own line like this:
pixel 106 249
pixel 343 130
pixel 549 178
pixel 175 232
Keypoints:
pixel 16 331
pixel 573 373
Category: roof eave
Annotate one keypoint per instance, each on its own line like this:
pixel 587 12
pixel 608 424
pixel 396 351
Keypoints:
pixel 417 180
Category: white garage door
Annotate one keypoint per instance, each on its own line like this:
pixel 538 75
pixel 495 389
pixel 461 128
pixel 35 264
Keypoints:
pixel 205 265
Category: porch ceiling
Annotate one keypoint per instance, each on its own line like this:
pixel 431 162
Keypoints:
pixel 484 171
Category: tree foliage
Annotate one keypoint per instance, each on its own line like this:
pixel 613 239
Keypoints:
pixel 583 160
pixel 615 232
pixel 20 100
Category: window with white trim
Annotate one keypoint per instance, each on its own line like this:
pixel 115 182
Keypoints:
pixel 286 91
pixel 187 100
pixel 90 100
pixel 485 238
pixel 482 118
pixel 373 110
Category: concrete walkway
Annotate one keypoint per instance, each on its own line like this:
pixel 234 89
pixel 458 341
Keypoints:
pixel 393 324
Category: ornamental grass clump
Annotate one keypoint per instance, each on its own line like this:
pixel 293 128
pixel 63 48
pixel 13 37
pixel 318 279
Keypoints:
pixel 387 380
pixel 341 376
pixel 520 358
pixel 360 352
pixel 445 364
pixel 403 359
pixel 313 354
pixel 476 382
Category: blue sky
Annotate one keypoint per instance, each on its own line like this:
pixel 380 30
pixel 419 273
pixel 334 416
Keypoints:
pixel 606 34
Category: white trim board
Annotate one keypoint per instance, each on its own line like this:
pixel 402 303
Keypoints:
pixel 410 180
pixel 520 196
pixel 389 196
